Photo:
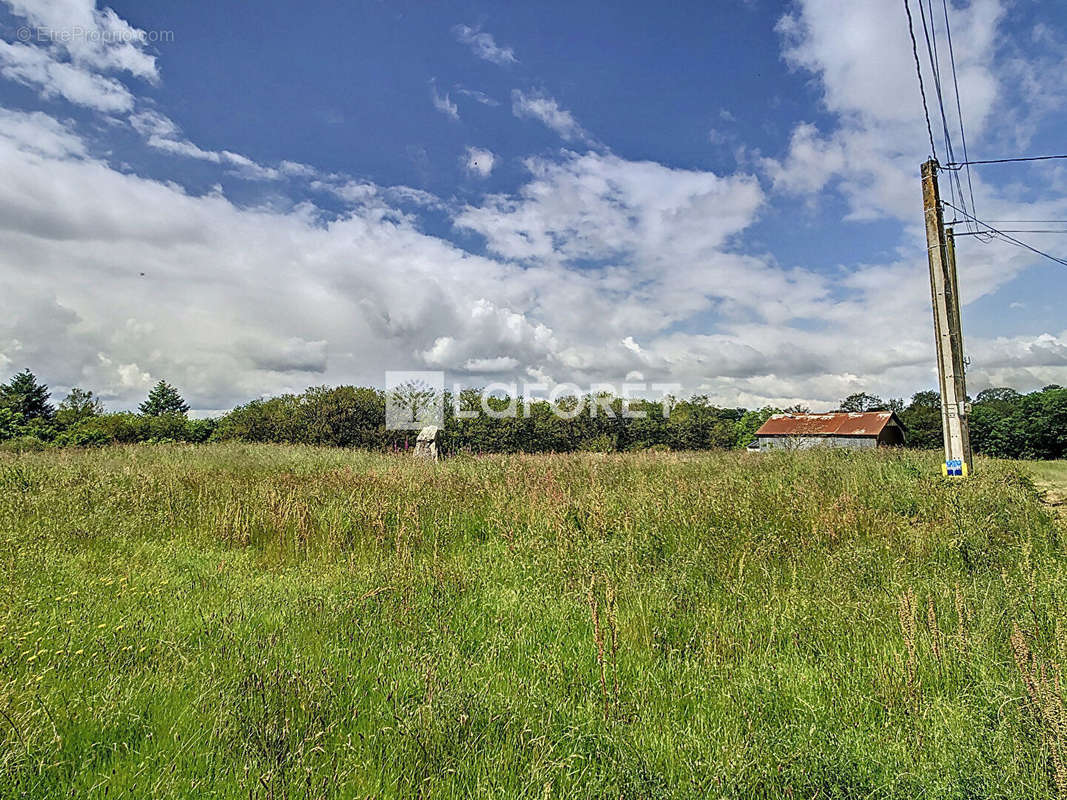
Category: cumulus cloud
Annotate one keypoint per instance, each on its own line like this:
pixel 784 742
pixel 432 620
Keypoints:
pixel 867 78
pixel 232 302
pixel 483 45
pixel 871 150
pixel 480 161
pixel 361 294
pixel 546 110
pixel 72 52
pixel 34 67
pixel 39 134
pixel 594 267
pixel 596 262
pixel 603 207
pixel 491 365
pixel 91 38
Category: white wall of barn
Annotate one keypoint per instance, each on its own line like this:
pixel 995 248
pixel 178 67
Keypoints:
pixel 810 442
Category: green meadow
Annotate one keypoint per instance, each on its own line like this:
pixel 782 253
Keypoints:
pixel 269 621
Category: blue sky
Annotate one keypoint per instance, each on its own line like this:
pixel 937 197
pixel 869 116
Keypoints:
pixel 722 195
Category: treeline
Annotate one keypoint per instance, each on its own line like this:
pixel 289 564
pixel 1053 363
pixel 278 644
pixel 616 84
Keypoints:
pixel 29 420
pixel 1004 423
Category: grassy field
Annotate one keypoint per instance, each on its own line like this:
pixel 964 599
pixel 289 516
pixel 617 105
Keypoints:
pixel 267 621
pixel 1051 477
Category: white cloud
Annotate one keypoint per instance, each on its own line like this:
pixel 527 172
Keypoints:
pixel 444 104
pixel 480 161
pixel 297 170
pixel 491 365
pixel 372 197
pixel 247 168
pixel 95 39
pixel 183 147
pixel 547 110
pixel 163 134
pixel 484 45
pixel 71 49
pixel 39 133
pixel 477 95
pixel 34 67
pixel 613 256
pixel 598 266
pixel 604 207
pixel 152 123
pixel 361 294
pixel 860 54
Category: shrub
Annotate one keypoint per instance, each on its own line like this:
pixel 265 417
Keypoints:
pixel 9 423
pixel 22 444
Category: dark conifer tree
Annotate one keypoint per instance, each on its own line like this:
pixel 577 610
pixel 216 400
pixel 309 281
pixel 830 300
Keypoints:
pixel 24 395
pixel 163 399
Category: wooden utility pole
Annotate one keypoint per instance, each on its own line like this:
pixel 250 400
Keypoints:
pixel 956 333
pixel 948 335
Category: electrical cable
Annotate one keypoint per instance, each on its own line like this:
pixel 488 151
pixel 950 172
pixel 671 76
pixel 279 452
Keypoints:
pixel 1016 230
pixel 1004 235
pixel 955 188
pixel 955 165
pixel 959 107
pixel 919 72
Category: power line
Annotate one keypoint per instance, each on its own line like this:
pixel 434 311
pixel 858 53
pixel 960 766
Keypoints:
pixel 957 164
pixel 930 32
pixel 1014 230
pixel 1004 235
pixel 919 72
pixel 935 70
pixel 1020 222
pixel 959 108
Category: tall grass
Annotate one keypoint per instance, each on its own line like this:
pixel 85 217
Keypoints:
pixel 271 621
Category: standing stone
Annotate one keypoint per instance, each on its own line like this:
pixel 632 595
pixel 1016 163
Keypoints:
pixel 426 444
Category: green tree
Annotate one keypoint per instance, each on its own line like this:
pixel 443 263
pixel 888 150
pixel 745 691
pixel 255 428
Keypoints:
pixel 1000 394
pixel 163 399
pixel 722 435
pixel 24 395
pixel 1042 419
pixel 750 422
pixel 79 405
pixel 926 399
pixel 345 416
pixel 861 401
pixel 922 420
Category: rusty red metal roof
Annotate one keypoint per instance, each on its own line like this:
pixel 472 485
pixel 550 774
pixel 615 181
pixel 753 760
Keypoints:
pixel 838 423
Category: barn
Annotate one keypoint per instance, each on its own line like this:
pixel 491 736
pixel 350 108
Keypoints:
pixel 838 429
